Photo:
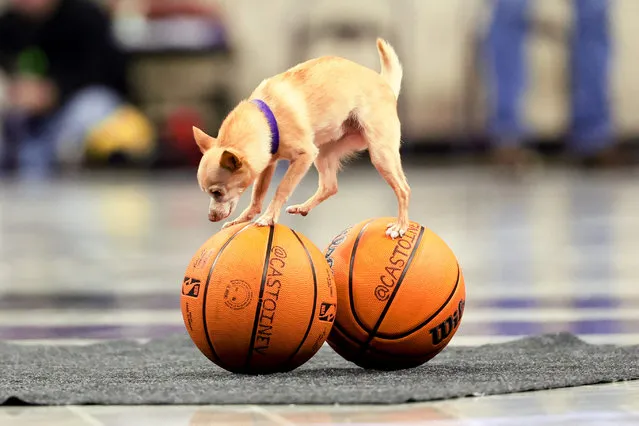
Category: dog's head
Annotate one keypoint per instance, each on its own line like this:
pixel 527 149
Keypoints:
pixel 222 174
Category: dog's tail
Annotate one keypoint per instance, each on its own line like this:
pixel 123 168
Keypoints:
pixel 391 67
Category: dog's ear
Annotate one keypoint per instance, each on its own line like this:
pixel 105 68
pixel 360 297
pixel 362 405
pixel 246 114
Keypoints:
pixel 230 161
pixel 203 140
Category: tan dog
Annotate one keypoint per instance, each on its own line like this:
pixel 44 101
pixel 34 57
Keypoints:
pixel 320 111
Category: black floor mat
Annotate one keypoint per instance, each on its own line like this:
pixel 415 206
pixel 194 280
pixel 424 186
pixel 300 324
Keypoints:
pixel 173 371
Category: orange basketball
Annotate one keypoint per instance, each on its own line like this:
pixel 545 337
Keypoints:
pixel 258 300
pixel 399 301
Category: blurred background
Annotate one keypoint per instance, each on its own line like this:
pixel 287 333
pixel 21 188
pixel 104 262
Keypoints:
pixel 124 81
pixel 100 210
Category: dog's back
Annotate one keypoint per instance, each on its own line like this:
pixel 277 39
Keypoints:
pixel 330 89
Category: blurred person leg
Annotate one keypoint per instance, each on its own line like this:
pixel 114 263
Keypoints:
pixel 38 145
pixel 505 55
pixel 15 130
pixel 32 144
pixel 591 139
pixel 5 152
pixel 82 113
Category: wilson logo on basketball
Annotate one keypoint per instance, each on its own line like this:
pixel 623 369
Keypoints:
pixel 327 312
pixel 339 239
pixel 442 331
pixel 191 287
pixel 276 265
pixel 396 263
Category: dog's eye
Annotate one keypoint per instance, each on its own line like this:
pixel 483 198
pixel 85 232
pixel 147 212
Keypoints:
pixel 216 194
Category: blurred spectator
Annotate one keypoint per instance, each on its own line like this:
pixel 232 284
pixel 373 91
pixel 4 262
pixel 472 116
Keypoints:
pixel 65 75
pixel 590 139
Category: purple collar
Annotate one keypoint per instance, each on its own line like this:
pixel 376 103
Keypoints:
pixel 272 123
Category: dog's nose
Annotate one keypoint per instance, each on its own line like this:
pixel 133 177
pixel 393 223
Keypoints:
pixel 214 217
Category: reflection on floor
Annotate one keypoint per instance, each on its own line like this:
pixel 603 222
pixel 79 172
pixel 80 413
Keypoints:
pixel 102 256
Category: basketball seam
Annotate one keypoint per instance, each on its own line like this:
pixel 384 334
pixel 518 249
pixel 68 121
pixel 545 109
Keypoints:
pixel 409 261
pixel 256 321
pixel 209 340
pixel 351 264
pixel 348 336
pixel 339 329
pixel 310 324
pixel 396 336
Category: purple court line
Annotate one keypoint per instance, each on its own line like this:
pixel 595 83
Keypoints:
pixel 596 302
pixel 91 332
pixel 157 301
pixel 89 301
pixel 497 328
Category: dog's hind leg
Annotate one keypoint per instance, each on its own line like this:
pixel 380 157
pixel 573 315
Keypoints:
pixel 383 138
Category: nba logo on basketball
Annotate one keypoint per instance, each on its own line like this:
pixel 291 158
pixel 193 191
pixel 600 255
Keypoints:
pixel 327 312
pixel 191 287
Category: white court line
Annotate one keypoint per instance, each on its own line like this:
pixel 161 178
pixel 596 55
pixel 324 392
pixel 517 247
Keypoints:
pixel 458 340
pixel 595 339
pixel 87 418
pixel 276 418
pixel 478 289
pixel 54 318
pixel 551 314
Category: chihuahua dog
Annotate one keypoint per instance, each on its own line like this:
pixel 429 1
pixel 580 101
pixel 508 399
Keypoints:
pixel 321 111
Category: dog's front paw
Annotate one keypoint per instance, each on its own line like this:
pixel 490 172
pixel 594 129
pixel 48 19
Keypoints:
pixel 265 220
pixel 246 216
pixel 300 209
pixel 396 229
pixel 234 222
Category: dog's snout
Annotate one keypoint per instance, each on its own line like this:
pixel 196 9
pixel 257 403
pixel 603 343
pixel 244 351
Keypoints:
pixel 217 215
